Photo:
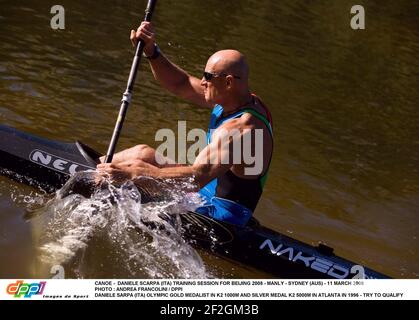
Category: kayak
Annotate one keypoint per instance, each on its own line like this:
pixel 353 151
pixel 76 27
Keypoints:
pixel 48 164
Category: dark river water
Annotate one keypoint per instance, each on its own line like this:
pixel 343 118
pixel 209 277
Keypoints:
pixel 345 169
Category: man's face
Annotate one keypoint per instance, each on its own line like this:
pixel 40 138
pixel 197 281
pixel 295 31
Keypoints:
pixel 215 87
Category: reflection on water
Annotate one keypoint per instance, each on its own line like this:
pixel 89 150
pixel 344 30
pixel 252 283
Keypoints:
pixel 345 166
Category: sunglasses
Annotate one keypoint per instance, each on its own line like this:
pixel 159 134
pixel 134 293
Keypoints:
pixel 208 75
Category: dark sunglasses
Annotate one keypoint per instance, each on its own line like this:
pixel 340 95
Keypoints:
pixel 208 75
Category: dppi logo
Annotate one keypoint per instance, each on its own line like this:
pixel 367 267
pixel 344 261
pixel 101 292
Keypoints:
pixel 27 290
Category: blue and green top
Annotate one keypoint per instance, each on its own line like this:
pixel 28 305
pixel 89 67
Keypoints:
pixel 231 198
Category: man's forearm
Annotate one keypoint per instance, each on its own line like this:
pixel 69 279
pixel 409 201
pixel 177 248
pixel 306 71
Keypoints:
pixel 179 172
pixel 169 75
pixel 166 172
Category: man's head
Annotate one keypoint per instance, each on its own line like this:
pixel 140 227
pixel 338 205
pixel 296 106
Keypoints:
pixel 226 77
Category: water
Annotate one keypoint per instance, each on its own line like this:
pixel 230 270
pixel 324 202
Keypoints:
pixel 344 103
pixel 113 218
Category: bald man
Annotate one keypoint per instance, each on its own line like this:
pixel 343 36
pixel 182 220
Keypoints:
pixel 229 188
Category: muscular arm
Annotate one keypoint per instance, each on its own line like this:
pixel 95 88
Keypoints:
pixel 207 166
pixel 232 147
pixel 169 75
pixel 178 81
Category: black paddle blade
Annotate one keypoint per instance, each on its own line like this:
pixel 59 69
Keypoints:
pixel 84 183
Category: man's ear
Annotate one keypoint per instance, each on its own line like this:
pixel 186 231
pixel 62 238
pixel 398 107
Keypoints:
pixel 229 81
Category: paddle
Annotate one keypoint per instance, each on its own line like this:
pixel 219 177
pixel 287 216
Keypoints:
pixel 126 97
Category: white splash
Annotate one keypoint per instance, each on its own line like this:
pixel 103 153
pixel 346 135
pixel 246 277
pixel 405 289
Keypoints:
pixel 142 240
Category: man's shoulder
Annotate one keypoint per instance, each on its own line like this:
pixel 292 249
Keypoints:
pixel 243 122
pixel 251 121
pixel 240 126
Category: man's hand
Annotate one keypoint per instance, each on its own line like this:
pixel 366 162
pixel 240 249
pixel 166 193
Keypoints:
pixel 146 33
pixel 116 172
pixel 124 171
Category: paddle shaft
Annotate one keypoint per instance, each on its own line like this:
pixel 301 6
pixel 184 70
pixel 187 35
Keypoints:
pixel 127 95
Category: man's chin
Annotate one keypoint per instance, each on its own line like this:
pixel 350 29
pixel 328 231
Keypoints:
pixel 210 100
